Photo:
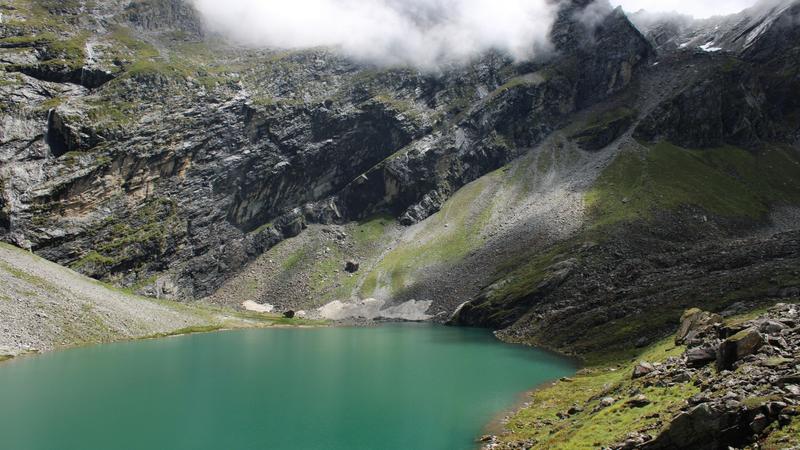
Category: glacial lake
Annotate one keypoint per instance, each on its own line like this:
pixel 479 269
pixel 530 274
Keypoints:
pixel 398 386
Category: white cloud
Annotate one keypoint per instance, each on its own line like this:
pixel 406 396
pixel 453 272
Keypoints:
pixel 424 33
pixel 698 8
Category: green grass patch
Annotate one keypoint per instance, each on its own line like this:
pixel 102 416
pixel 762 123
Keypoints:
pixel 448 236
pixel 125 37
pixel 93 258
pixel 111 113
pixel 607 118
pixel 783 437
pixel 728 182
pixel 370 231
pixel 188 330
pixel 520 81
pixel 588 429
pixel 263 227
pixel 405 107
pixel 72 49
pixel 294 259
pixel 24 41
pixel 51 103
pixel 10 79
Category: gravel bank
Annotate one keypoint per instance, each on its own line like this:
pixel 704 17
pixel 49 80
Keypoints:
pixel 44 306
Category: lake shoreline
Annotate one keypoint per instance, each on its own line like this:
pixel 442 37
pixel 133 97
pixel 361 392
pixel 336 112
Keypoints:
pixel 419 368
pixel 494 427
pixel 498 424
pixel 234 320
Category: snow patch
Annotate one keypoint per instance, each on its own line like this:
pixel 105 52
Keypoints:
pixel 709 47
pixel 258 307
pixel 411 310
pixel 374 309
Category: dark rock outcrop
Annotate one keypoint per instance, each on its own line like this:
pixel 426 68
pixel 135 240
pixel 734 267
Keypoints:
pixel 165 15
pixel 736 347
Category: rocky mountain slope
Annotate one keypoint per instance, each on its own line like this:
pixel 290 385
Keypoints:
pixel 183 158
pixel 609 185
pixel 581 201
pixel 718 383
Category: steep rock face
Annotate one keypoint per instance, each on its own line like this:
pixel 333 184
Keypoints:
pixel 606 46
pixel 320 152
pixel 597 60
pixel 751 98
pixel 163 15
pixel 730 107
pixel 776 32
pixel 750 32
pixel 175 169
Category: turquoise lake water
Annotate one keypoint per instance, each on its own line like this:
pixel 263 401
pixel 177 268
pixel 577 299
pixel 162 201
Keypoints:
pixel 409 386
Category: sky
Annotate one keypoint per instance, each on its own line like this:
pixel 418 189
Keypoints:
pixel 700 9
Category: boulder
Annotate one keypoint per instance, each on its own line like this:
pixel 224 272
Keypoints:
pixel 693 323
pixel 700 356
pixel 736 347
pixel 793 378
pixel 642 369
pixel 638 402
pixel 574 410
pixel 771 327
pixel 682 377
pixel 605 402
pixel 632 441
pixel 702 427
pixel 759 423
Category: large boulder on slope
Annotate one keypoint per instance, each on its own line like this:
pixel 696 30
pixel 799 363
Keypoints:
pixel 736 347
pixel 695 322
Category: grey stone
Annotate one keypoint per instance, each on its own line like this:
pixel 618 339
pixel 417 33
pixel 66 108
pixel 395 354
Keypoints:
pixel 641 369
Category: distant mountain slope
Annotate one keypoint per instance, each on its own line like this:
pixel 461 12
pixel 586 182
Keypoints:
pixel 159 159
pixel 45 306
pixel 578 201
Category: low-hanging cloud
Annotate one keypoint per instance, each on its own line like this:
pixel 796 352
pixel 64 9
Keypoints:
pixel 421 33
pixel 697 9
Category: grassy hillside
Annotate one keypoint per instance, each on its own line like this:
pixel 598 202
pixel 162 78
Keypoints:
pixel 728 182
pixel 666 228
pixel 568 414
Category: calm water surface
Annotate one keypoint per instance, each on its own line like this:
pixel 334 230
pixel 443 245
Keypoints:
pixel 392 387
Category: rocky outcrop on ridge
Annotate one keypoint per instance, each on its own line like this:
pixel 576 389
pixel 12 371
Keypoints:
pixel 748 376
